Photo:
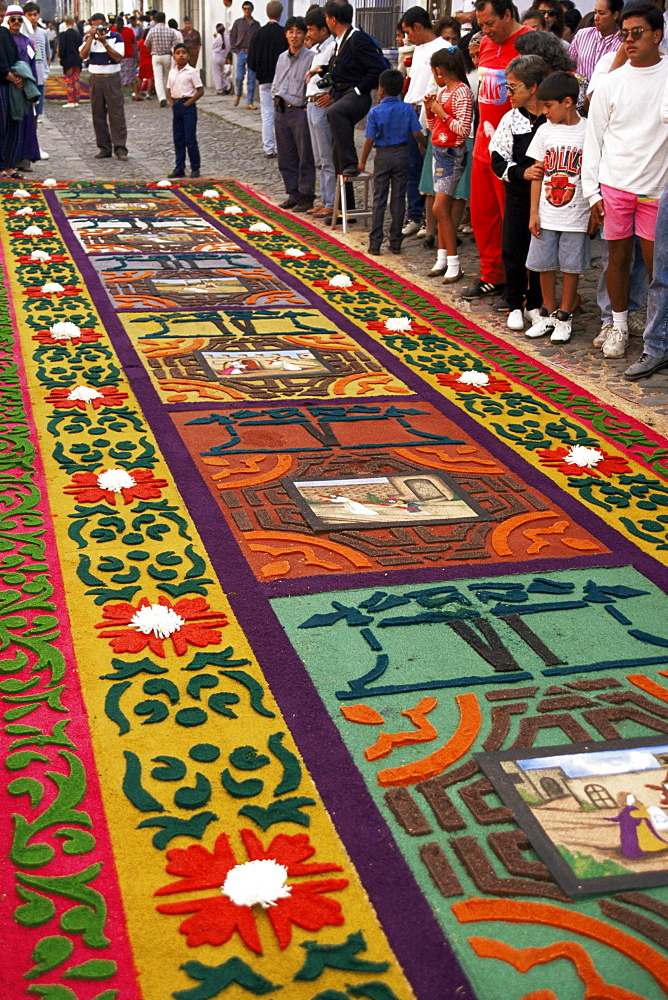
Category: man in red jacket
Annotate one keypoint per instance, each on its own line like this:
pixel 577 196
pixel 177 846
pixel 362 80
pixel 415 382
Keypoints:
pixel 497 23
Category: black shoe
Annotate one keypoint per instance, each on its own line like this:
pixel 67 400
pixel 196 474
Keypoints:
pixel 395 249
pixel 481 288
pixel 177 173
pixel 271 156
pixel 304 204
pixel 121 155
pixel 429 241
pixel 374 251
pixel 288 203
pixel 501 304
pixel 163 104
pixel 194 173
pixel 102 155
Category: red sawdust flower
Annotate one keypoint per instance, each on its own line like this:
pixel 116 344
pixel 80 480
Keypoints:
pixel 93 487
pixel 87 336
pixel 242 887
pixel 474 381
pixel 38 292
pixel 78 397
pixel 579 460
pixel 131 629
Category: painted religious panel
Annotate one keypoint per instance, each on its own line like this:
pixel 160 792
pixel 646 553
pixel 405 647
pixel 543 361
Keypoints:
pixel 134 235
pixel 597 814
pixel 191 282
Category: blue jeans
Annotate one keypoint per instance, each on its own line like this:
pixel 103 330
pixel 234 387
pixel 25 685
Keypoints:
pixel 656 331
pixel 637 288
pixel 242 58
pixel 416 201
pixel 184 130
pixel 321 141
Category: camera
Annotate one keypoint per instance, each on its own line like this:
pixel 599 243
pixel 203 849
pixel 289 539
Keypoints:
pixel 101 30
pixel 325 81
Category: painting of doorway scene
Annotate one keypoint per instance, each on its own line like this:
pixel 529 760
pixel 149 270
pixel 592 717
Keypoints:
pixel 596 813
pixel 259 364
pixel 382 501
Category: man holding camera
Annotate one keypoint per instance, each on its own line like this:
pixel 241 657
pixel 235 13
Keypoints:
pixel 293 141
pixel 104 50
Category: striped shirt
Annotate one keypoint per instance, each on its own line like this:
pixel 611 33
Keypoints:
pixel 458 106
pixel 588 46
pixel 100 62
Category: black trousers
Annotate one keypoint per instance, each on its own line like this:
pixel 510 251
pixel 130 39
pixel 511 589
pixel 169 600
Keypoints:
pixel 343 116
pixel 390 172
pixel 295 153
pixel 521 284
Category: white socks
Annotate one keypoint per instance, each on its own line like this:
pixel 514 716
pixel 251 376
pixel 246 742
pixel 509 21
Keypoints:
pixel 453 266
pixel 441 256
pixel 621 320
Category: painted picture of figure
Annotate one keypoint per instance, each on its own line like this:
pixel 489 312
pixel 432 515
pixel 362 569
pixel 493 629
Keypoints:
pixel 597 814
pixel 380 501
pixel 261 364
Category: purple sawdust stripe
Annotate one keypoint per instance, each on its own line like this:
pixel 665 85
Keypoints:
pixel 406 917
pixel 515 462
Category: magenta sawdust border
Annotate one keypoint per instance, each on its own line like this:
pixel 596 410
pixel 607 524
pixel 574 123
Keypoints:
pixel 465 320
pixel 21 939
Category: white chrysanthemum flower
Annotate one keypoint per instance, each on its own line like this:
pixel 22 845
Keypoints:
pixel 294 252
pixel 50 182
pixel 398 324
pixel 20 193
pixel 232 210
pixel 257 882
pixel 587 458
pixel 259 227
pixel 86 394
pixel 210 193
pixel 52 286
pixel 24 211
pixel 64 331
pixel 474 378
pixel 157 619
pixel 32 231
pixel 115 480
pixel 164 184
pixel 340 281
pixel 41 256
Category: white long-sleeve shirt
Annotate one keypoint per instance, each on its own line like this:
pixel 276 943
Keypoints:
pixel 626 146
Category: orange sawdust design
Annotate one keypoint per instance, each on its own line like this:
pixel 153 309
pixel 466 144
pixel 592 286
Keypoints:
pixel 280 567
pixel 333 341
pixel 459 744
pixel 582 544
pixel 282 296
pixel 126 277
pixel 524 959
pixel 502 532
pixel 650 686
pixel 443 460
pixel 521 912
pixel 310 557
pixel 256 538
pixel 540 995
pixel 176 346
pixel 367 383
pixel 538 542
pixel 363 714
pixel 424 733
pixel 144 301
pixel 250 470
pixel 204 390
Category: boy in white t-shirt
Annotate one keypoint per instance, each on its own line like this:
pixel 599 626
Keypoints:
pixel 560 217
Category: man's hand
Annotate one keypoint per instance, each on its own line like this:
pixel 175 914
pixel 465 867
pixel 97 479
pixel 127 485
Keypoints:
pixel 597 213
pixel 361 166
pixel 324 100
pixel 534 225
pixel 534 173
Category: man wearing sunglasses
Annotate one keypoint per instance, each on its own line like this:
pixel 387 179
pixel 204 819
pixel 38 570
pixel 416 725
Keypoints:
pixel 625 158
pixel 104 50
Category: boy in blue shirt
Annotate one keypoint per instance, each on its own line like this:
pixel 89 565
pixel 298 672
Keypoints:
pixel 388 128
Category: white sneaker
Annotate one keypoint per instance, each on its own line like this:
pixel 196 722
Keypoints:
pixel 545 325
pixel 636 325
pixel 615 345
pixel 515 319
pixel 43 155
pixel 422 233
pixel 411 229
pixel 562 327
pixel 532 315
pixel 70 105
pixel 600 338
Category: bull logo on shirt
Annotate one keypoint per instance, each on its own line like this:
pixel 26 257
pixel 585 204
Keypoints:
pixel 562 168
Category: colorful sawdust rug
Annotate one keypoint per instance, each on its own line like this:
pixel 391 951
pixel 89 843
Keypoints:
pixel 56 90
pixel 286 544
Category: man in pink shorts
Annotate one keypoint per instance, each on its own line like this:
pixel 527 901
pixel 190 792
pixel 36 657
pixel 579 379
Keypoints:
pixel 625 158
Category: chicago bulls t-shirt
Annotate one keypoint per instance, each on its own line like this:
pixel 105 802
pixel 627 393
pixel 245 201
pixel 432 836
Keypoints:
pixel 562 205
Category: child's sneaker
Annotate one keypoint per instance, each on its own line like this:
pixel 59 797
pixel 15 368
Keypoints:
pixel 562 327
pixel 545 325
pixel 532 315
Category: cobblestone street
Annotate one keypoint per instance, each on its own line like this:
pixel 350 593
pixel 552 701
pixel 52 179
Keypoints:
pixel 231 146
